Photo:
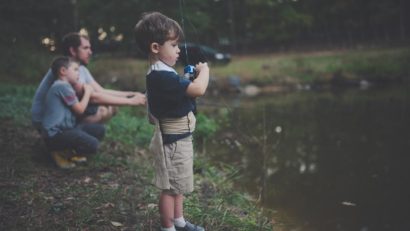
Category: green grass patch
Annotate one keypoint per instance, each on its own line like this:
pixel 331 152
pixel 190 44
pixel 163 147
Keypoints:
pixel 15 102
pixel 113 191
pixel 373 65
pixel 130 126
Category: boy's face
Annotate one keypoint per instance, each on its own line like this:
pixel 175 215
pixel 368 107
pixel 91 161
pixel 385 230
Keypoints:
pixel 72 73
pixel 169 52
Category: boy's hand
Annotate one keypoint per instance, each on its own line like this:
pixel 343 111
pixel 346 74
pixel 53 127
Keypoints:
pixel 88 89
pixel 201 66
pixel 198 86
pixel 78 88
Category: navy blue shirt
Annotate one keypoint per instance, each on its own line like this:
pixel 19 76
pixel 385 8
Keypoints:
pixel 167 96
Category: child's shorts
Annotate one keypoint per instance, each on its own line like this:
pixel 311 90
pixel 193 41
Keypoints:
pixel 179 163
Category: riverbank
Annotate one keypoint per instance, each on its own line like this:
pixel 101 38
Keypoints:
pixel 113 191
pixel 280 71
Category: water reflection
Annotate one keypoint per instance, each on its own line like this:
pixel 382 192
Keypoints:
pixel 328 161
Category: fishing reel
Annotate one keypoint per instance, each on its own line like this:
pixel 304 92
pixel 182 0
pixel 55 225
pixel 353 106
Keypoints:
pixel 190 72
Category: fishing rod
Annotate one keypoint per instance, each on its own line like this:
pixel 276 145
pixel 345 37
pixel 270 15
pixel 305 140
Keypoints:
pixel 263 141
pixel 189 70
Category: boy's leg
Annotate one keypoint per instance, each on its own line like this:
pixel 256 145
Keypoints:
pixel 178 210
pixel 61 160
pixel 166 209
pixel 59 151
pixel 75 139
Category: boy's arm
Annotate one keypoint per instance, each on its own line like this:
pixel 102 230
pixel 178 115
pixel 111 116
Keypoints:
pixel 80 107
pixel 199 85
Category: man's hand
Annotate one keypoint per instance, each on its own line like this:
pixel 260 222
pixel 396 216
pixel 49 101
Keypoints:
pixel 138 99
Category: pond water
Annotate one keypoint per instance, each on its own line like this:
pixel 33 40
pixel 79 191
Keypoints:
pixel 330 160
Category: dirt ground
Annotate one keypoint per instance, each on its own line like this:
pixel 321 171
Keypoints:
pixel 113 191
pixel 36 195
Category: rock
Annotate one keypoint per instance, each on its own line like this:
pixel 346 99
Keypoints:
pixel 251 90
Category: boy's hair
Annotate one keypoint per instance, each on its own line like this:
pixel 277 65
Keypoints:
pixel 72 39
pixel 58 63
pixel 155 27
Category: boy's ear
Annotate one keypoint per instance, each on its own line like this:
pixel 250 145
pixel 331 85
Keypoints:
pixel 154 47
pixel 62 71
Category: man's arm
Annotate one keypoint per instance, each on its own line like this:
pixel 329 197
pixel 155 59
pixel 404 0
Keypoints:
pixel 104 98
pixel 199 85
pixel 98 88
pixel 37 107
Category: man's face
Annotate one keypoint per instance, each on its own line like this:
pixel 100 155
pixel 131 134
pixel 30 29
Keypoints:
pixel 83 52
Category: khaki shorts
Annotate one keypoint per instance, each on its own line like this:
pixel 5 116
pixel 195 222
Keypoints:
pixel 179 164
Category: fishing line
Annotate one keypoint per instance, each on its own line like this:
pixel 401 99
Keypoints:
pixel 222 101
pixel 181 12
pixel 223 104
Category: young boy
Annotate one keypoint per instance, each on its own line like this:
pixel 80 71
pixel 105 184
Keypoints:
pixel 170 102
pixel 60 129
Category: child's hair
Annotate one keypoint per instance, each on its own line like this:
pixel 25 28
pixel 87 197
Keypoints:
pixel 73 40
pixel 155 27
pixel 58 63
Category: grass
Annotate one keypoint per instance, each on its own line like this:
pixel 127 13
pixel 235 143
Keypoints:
pixel 282 69
pixel 318 66
pixel 375 65
pixel 113 191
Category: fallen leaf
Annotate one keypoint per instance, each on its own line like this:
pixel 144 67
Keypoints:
pixel 105 206
pixel 151 206
pixel 87 180
pixel 348 203
pixel 116 224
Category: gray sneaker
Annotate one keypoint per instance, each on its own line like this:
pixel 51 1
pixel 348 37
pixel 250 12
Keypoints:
pixel 189 227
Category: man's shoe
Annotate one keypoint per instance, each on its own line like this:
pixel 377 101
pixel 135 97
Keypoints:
pixel 61 161
pixel 79 159
pixel 189 227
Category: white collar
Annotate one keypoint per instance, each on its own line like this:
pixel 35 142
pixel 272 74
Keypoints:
pixel 160 66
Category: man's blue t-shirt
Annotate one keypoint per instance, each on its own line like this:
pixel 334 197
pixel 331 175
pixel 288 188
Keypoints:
pixel 166 90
